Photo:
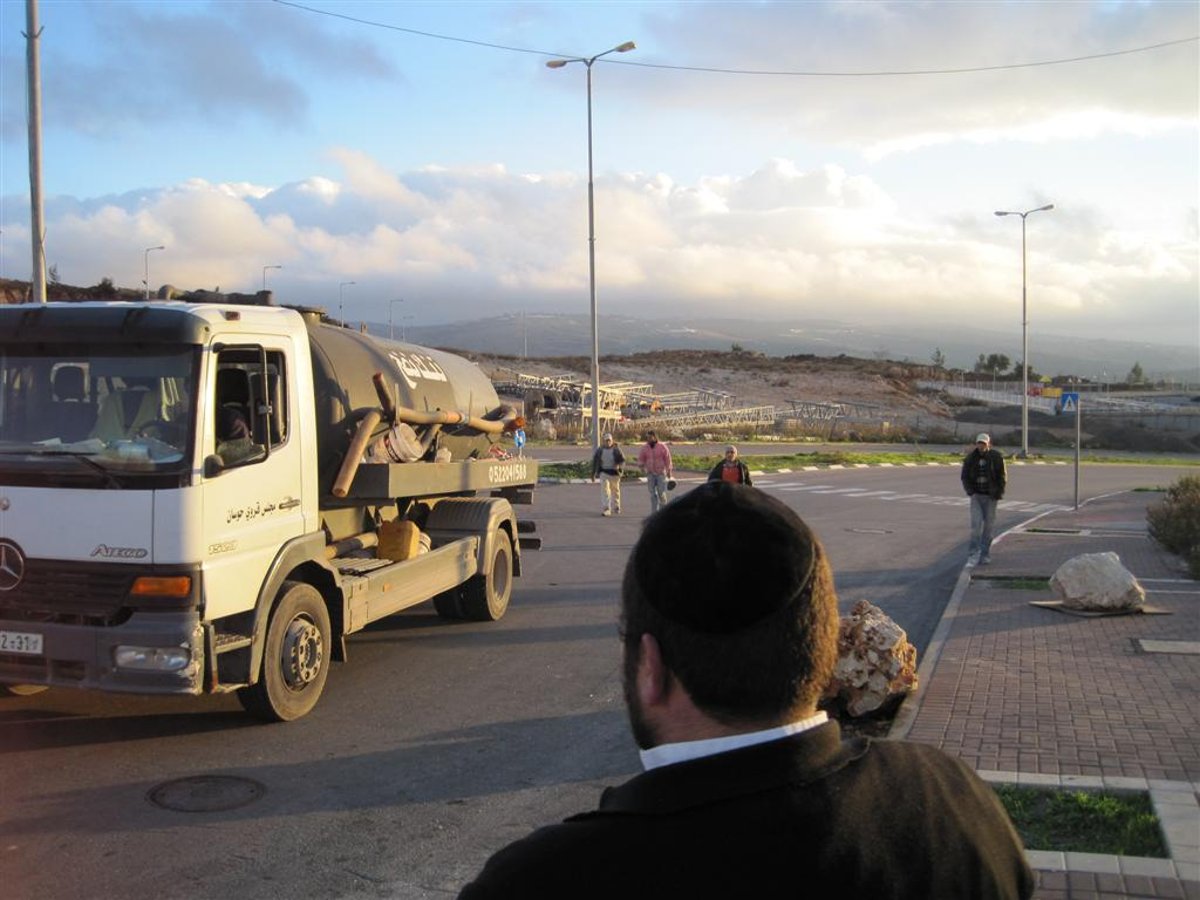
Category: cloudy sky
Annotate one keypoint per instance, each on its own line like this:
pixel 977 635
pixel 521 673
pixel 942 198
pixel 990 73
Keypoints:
pixel 782 161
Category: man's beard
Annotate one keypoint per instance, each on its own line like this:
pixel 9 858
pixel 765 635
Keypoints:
pixel 643 732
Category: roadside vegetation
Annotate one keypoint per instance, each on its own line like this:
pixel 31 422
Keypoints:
pixel 773 463
pixel 1084 821
pixel 1175 521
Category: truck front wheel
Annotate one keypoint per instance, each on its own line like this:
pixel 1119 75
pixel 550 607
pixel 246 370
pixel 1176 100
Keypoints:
pixel 485 596
pixel 295 659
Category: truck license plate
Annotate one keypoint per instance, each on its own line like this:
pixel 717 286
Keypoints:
pixel 21 642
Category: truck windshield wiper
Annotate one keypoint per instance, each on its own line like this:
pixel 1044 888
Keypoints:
pixel 110 479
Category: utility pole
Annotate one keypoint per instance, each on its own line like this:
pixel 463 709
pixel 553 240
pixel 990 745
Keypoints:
pixel 37 228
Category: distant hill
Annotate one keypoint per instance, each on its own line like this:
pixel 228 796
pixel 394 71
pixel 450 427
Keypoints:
pixel 564 335
pixel 550 335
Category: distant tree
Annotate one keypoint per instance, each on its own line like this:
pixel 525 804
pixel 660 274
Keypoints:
pixel 52 274
pixel 1033 374
pixel 736 348
pixel 1136 375
pixel 105 289
pixel 938 358
pixel 992 363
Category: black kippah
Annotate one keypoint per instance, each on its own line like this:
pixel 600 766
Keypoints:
pixel 723 557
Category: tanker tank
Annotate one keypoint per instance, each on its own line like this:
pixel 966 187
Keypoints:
pixel 416 378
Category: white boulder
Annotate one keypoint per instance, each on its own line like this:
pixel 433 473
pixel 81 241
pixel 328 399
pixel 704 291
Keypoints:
pixel 1097 582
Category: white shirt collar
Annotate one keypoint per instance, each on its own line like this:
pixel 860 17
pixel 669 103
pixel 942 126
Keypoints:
pixel 668 754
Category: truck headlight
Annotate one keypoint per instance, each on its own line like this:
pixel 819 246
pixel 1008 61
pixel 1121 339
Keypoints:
pixel 153 659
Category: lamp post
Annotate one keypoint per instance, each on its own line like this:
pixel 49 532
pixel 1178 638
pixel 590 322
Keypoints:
pixel 146 267
pixel 403 327
pixel 391 306
pixel 587 62
pixel 1024 329
pixel 264 287
pixel 341 295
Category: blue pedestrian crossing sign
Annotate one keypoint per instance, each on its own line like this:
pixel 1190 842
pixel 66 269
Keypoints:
pixel 1070 402
pixel 519 438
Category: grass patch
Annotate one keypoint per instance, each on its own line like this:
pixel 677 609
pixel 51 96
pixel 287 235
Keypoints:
pixel 771 463
pixel 1084 821
pixel 1014 582
pixel 768 463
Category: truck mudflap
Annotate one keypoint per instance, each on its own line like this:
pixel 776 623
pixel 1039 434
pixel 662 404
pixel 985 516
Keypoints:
pixel 457 517
pixel 150 653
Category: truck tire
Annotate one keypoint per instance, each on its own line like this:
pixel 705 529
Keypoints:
pixel 295 659
pixel 484 597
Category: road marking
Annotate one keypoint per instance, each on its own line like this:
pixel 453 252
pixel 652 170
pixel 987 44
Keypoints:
pixel 790 487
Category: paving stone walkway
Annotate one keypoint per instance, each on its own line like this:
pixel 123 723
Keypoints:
pixel 1031 695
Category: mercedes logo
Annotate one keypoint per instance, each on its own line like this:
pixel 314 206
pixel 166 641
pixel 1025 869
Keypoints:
pixel 12 565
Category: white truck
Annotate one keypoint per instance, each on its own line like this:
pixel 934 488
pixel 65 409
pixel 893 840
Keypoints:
pixel 185 507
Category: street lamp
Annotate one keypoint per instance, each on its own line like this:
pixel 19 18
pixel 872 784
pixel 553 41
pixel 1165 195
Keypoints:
pixel 146 268
pixel 403 327
pixel 1024 329
pixel 265 274
pixel 341 295
pixel 587 62
pixel 391 306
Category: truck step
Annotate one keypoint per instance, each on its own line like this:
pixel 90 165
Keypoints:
pixel 223 643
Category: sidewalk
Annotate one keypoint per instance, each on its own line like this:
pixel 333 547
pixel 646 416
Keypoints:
pixel 1029 695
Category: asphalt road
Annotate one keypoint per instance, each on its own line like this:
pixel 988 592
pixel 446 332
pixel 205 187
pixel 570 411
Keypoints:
pixel 436 742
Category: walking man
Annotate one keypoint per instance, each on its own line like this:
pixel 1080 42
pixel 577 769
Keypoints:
pixel 730 469
pixel 655 460
pixel 729 634
pixel 983 478
pixel 608 462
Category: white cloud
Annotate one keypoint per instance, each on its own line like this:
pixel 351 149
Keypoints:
pixel 783 240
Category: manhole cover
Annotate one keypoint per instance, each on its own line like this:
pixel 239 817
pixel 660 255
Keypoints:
pixel 206 793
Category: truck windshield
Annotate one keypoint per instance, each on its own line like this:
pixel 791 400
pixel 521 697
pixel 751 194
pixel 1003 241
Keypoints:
pixel 102 414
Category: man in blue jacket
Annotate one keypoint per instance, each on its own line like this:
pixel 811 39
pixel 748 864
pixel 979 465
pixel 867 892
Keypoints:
pixel 729 627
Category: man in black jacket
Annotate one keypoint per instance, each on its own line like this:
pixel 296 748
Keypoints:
pixel 984 479
pixel 730 469
pixel 729 626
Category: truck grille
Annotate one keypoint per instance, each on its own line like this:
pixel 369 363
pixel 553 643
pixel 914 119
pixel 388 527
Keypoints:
pixel 70 593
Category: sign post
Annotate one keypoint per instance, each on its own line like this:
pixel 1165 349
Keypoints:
pixel 1070 403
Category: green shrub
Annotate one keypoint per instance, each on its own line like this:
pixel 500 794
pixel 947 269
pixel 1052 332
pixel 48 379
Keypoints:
pixel 1175 521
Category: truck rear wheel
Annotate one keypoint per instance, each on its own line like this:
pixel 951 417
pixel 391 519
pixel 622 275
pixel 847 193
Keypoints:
pixel 485 596
pixel 295 659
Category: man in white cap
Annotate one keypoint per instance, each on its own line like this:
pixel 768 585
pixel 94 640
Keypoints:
pixel 608 462
pixel 984 479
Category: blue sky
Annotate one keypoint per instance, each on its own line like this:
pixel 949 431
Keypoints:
pixel 333 140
